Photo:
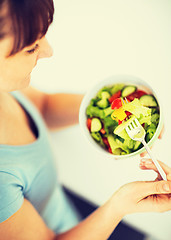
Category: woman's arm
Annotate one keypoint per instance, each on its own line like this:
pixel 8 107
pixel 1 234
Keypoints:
pixel 61 110
pixel 130 198
pixel 97 226
pixel 58 110
pixel 27 224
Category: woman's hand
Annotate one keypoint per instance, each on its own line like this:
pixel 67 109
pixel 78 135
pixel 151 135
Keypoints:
pixel 147 164
pixel 149 196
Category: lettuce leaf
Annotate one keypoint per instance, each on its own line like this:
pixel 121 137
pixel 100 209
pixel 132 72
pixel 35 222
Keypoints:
pixel 136 108
pixel 117 146
pixel 155 118
pixel 93 111
pixel 109 124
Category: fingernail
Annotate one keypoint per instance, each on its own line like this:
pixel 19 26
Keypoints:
pixel 169 176
pixel 143 160
pixel 148 162
pixel 166 187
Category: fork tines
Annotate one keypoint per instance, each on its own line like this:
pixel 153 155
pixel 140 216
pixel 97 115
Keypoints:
pixel 124 100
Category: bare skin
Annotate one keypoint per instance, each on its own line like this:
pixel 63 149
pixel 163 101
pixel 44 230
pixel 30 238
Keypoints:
pixel 58 111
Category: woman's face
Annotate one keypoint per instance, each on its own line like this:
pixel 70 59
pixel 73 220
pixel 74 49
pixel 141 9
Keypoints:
pixel 15 70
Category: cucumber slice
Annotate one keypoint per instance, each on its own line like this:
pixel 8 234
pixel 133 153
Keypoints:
pixel 137 145
pixel 103 103
pixel 105 95
pixel 96 125
pixel 117 87
pixel 128 90
pixel 148 101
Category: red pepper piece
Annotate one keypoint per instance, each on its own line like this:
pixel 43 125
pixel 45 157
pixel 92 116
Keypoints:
pixel 102 131
pixel 128 113
pixel 89 123
pixel 116 104
pixel 114 96
pixel 136 94
pixel 119 122
pixel 110 150
pixel 106 142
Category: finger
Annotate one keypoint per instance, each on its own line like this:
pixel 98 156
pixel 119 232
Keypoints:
pixel 153 167
pixel 143 154
pixel 161 133
pixel 145 189
pixel 148 164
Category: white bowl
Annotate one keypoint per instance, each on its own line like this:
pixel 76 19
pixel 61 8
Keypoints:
pixel 92 93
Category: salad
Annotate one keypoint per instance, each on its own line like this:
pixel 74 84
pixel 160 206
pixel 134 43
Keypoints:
pixel 107 117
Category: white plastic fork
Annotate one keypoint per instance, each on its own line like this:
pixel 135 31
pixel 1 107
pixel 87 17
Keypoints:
pixel 137 133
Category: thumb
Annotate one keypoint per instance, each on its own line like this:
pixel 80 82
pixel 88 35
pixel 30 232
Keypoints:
pixel 150 188
pixel 169 176
pixel 163 187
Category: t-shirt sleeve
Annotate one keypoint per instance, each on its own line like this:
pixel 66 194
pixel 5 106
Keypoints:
pixel 11 195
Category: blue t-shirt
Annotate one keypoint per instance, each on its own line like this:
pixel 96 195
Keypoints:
pixel 29 171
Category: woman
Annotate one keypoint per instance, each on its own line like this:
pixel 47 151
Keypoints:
pixel 32 203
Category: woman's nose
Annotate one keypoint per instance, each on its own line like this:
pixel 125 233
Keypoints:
pixel 45 49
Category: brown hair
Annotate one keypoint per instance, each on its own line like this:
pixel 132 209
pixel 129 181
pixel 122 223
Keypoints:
pixel 29 19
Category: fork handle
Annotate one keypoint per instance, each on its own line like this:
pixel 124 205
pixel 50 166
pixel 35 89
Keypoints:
pixel 159 168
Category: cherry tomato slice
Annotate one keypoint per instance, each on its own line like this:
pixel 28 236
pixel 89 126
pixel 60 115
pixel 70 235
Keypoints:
pixel 136 94
pixel 114 96
pixel 116 104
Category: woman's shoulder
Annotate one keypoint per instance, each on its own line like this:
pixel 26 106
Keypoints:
pixel 14 123
pixel 11 194
pixel 7 113
pixel 37 97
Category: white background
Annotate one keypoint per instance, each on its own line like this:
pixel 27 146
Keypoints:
pixel 92 40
